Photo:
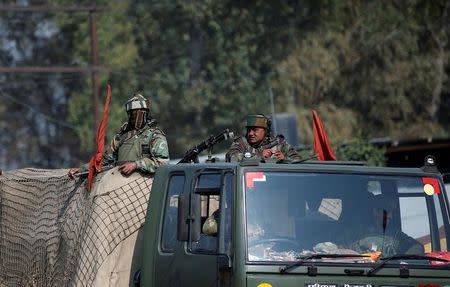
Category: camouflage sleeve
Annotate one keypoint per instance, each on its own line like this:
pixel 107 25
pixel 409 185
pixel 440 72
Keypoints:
pixel 236 150
pixel 84 168
pixel 290 153
pixel 159 154
pixel 109 157
pixel 409 245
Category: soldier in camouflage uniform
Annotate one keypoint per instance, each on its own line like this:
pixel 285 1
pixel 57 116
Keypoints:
pixel 258 143
pixel 382 236
pixel 140 145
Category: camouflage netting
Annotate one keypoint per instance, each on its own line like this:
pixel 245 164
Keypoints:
pixel 55 233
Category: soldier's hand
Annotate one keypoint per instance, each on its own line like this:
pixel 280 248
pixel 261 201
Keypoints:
pixel 72 172
pixel 266 153
pixel 127 168
pixel 279 155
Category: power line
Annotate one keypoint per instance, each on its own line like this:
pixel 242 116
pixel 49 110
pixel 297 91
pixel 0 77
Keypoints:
pixel 52 69
pixel 51 8
pixel 58 122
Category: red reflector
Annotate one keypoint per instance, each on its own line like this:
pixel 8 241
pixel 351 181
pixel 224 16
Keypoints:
pixel 433 182
pixel 439 254
pixel 428 285
pixel 251 177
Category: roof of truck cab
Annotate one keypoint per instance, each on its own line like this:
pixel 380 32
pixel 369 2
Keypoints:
pixel 309 166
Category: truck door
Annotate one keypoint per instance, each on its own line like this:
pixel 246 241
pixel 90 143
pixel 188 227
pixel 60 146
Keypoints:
pixel 194 261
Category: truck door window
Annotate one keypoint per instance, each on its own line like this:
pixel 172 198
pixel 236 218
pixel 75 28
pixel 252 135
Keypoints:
pixel 169 232
pixel 209 186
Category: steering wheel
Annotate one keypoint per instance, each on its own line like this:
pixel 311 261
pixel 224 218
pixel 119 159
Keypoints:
pixel 275 240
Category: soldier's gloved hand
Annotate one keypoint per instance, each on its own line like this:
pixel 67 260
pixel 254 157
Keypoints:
pixel 72 172
pixel 127 168
pixel 279 155
pixel 266 153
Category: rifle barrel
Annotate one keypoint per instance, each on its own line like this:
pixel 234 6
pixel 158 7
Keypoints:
pixel 192 153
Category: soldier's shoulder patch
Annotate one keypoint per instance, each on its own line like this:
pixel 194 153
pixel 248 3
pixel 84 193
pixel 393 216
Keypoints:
pixel 154 129
pixel 160 131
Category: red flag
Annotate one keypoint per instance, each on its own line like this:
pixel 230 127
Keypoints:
pixel 96 160
pixel 322 146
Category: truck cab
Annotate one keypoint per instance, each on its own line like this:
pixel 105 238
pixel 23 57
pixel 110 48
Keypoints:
pixel 308 224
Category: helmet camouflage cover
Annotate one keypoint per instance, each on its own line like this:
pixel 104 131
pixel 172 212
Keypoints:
pixel 257 121
pixel 138 108
pixel 136 102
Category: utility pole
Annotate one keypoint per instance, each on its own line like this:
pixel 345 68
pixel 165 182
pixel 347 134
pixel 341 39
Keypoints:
pixel 272 110
pixel 94 73
pixel 93 69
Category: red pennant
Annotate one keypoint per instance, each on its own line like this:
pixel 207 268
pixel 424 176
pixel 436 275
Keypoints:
pixel 95 164
pixel 322 146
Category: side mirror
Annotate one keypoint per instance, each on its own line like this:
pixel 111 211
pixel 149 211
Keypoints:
pixel 189 218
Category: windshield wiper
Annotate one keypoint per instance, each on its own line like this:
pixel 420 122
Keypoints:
pixel 402 256
pixel 318 256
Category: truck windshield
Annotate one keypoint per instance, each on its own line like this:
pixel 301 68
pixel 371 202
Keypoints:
pixel 290 215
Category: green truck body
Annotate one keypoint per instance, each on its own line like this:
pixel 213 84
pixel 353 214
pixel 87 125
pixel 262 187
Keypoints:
pixel 307 224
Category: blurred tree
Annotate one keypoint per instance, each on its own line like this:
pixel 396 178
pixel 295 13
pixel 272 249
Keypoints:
pixel 117 53
pixel 33 107
pixel 378 59
pixel 371 68
pixel 359 150
pixel 208 63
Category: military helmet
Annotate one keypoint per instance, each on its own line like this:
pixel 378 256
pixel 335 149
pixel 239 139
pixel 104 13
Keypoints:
pixel 137 102
pixel 257 121
pixel 210 226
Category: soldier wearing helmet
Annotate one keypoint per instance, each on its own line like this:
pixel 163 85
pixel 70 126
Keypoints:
pixel 258 142
pixel 140 145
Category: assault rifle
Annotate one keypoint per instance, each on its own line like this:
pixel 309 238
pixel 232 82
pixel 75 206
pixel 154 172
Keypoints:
pixel 192 154
pixel 104 168
pixel 270 144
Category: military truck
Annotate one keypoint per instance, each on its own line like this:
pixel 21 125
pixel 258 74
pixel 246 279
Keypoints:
pixel 296 224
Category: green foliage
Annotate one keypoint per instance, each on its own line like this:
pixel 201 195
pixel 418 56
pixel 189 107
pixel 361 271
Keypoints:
pixel 359 150
pixel 370 68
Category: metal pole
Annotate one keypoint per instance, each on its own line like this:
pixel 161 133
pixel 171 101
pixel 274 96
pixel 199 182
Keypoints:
pixel 94 73
pixel 272 110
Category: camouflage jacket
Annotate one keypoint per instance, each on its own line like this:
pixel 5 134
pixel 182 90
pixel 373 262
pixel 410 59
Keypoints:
pixel 392 242
pixel 147 147
pixel 240 147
